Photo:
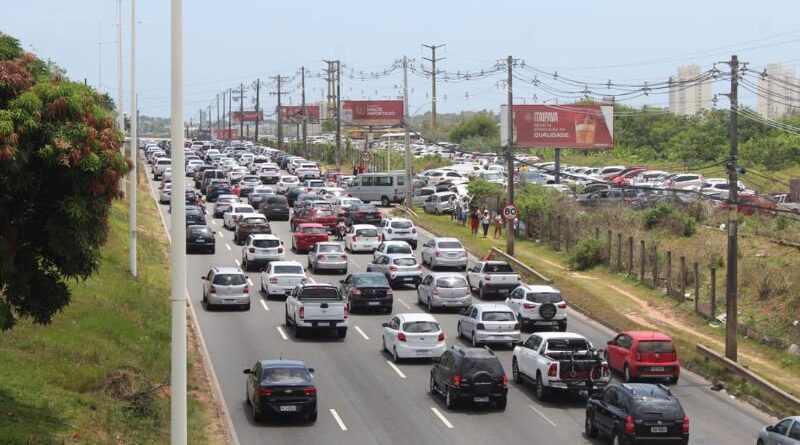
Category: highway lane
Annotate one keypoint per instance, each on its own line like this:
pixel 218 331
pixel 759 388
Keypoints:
pixel 366 399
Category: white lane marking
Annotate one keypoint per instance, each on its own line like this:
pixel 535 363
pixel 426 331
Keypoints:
pixel 338 420
pixel 543 416
pixel 396 369
pixel 213 221
pixel 311 280
pixel 264 304
pixel 441 417
pixel 237 262
pixel 403 303
pixel 362 333
pixel 228 246
pixel 280 331
pixel 250 282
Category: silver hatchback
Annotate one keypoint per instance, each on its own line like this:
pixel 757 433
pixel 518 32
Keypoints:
pixel 399 269
pixel 444 290
pixel 226 286
pixel 327 256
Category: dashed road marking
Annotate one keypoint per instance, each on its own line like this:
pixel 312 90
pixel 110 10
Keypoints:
pixel 280 331
pixel 266 308
pixel 441 417
pixel 250 282
pixel 543 416
pixel 403 303
pixel 228 246
pixel 396 369
pixel 213 221
pixel 362 333
pixel 237 262
pixel 338 420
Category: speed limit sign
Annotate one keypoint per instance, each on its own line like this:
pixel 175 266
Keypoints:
pixel 510 211
pixel 366 156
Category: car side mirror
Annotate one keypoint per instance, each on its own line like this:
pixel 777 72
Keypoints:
pixel 341 281
pixel 203 277
pixel 247 371
pixel 770 428
pixel 311 370
pixel 610 342
pixel 385 325
pixel 463 312
pixel 518 343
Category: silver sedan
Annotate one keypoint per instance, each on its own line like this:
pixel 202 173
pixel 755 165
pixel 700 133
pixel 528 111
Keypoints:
pixel 399 269
pixel 327 256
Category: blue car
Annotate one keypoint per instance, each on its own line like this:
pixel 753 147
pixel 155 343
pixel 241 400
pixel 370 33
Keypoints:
pixel 280 388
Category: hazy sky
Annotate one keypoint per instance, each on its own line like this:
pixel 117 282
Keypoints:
pixel 228 42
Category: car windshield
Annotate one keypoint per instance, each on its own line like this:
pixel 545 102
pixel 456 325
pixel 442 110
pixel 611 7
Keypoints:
pixel 285 376
pixel 370 280
pixel 415 327
pixel 451 282
pixel 567 344
pixel 229 279
pixel 398 249
pixel 330 248
pixel 367 233
pixel 498 316
pixel 543 297
pixel 405 261
pixel 287 269
pixel 314 230
pixel 450 245
pixel 402 224
pixel 265 243
pixel 498 268
pixel 277 200
pixel 661 347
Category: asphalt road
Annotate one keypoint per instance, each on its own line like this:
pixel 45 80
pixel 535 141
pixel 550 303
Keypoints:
pixel 365 399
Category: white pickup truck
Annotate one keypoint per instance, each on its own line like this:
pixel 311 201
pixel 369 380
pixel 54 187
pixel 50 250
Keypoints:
pixel 560 361
pixel 316 306
pixel 492 278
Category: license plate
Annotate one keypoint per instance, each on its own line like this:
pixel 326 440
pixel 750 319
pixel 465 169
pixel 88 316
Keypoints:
pixel 423 353
pixel 288 408
pixel 658 429
pixel 199 240
pixel 480 399
pixel 502 291
pixel 402 232
pixel 331 258
pixel 408 279
pixel 374 303
pixel 657 369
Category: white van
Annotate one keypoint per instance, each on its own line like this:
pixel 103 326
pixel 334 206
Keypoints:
pixel 384 187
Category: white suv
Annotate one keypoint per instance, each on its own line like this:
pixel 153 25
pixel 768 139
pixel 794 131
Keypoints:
pixel 538 306
pixel 398 229
pixel 260 249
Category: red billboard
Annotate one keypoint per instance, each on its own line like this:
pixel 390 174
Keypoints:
pixel 248 116
pixel 223 133
pixel 562 126
pixel 295 113
pixel 372 112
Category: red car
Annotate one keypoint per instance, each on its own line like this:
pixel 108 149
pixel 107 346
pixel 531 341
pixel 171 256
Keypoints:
pixel 643 354
pixel 322 216
pixel 625 178
pixel 305 235
pixel 751 204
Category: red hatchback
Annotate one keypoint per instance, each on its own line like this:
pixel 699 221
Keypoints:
pixel 314 215
pixel 644 354
pixel 306 235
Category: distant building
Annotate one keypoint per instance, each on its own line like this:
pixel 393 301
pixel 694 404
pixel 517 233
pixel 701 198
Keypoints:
pixel 687 98
pixel 779 92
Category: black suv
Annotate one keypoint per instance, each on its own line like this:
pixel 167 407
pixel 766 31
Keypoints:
pixel 634 413
pixel 469 375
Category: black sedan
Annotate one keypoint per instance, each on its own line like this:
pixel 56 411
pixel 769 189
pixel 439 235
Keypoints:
pixel 367 290
pixel 200 238
pixel 195 216
pixel 363 214
pixel 281 387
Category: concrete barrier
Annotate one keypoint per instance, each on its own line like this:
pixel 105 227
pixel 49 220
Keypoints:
pixel 521 265
pixel 766 387
pixel 407 210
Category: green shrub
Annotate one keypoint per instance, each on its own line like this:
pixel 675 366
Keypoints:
pixel 666 215
pixel 586 254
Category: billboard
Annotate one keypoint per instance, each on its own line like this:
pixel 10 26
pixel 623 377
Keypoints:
pixel 294 113
pixel 372 112
pixel 223 133
pixel 561 126
pixel 248 116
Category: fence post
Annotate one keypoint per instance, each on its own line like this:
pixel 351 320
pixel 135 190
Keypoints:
pixel 630 256
pixel 683 280
pixel 567 233
pixel 619 252
pixel 608 247
pixel 713 293
pixel 655 267
pixel 669 273
pixel 597 233
pixel 558 232
pixel 642 260
pixel 696 271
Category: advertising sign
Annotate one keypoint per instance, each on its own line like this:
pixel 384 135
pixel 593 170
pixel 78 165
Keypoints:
pixel 223 133
pixel 561 126
pixel 294 113
pixel 372 112
pixel 248 116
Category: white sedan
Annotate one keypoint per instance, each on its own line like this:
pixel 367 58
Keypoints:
pixel 362 238
pixel 281 277
pixel 413 335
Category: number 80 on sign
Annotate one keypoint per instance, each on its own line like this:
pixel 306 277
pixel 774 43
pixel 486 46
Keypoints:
pixel 510 211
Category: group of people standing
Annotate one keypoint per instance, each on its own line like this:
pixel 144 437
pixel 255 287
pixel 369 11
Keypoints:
pixel 482 219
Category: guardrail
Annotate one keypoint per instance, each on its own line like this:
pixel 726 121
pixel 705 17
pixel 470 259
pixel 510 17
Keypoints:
pixel 407 210
pixel 768 388
pixel 521 265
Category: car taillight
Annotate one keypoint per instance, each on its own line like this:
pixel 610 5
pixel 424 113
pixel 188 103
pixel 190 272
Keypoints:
pixel 435 291
pixel 273 280
pixel 246 289
pixel 302 312
pixel 441 336
pixel 356 291
pixel 346 312
pixel 457 380
pixel 504 380
pixel 252 250
pixel 212 290
pixel 401 336
pixel 311 391
pixel 529 306
pixel 516 325
pixel 354 238
pixel 487 278
pixel 685 427
pixel 393 268
pixel 344 257
pixel 437 253
pixel 280 249
pixel 629 427
pixel 562 305
pixel 480 326
pixel 264 392
pixel 552 370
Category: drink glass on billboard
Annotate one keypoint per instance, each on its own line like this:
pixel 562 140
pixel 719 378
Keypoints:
pixel 584 131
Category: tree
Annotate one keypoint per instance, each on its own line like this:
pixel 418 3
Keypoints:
pixel 481 125
pixel 60 165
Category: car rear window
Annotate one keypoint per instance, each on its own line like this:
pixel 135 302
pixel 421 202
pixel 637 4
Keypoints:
pixel 289 179
pixel 323 212
pixel 420 327
pixel 498 316
pixel 285 376
pixel 371 280
pixel 656 346
pixel 367 232
pixel 265 243
pixel 567 344
pixel 405 261
pixel 402 224
pixel 251 179
pixel 330 248
pixel 197 231
pixel 254 221
pixel 649 409
pixel 490 365
pixel 451 282
pixel 193 212
pixel 297 270
pixel 368 209
pixel 230 279
pixel 450 245
pixel 325 292
pixel 398 249
pixel 498 268
pixel 277 200
pixel 316 230
pixel 539 297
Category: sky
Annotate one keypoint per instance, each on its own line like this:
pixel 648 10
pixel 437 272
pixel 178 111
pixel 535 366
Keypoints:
pixel 233 42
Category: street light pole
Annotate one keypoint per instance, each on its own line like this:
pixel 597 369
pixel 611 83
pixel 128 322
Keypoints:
pixel 133 144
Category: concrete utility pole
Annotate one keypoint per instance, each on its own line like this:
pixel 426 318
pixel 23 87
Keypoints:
pixel 134 146
pixel 338 115
pixel 230 113
pixel 178 427
pixel 200 126
pixel 510 155
pixel 208 121
pixel 218 127
pixel 120 105
pixel 731 295
pixel 224 102
pixel 258 96
pixel 409 173
pixel 303 108
pixel 433 61
pixel 279 80
pixel 241 111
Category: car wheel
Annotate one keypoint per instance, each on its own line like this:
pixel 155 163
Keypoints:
pixel 257 416
pixel 414 246
pixel 480 291
pixel 562 327
pixel 474 340
pixel 430 306
pixel 515 371
pixel 458 331
pixel 395 357
pixel 246 307
pixel 383 344
pixel 385 201
pixel 298 331
pixel 589 428
pixel 341 332
pixel 673 380
pixel 626 372
pixel 615 438
pixel 432 385
pixel 501 402
pixel 541 390
pixel 433 266
pixel 312 417
pixel 450 399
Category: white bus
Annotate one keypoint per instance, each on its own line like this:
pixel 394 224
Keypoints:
pixel 394 139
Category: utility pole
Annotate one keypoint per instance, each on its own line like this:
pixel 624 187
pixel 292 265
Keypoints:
pixel 200 127
pixel 258 91
pixel 409 173
pixel 338 116
pixel 212 136
pixel 134 146
pixel 433 61
pixel 120 105
pixel 208 121
pixel 224 101
pixel 303 108
pixel 278 79
pixel 230 113
pixel 731 295
pixel 241 111
pixel 510 155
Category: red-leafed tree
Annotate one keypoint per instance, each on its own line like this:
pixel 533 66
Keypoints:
pixel 60 165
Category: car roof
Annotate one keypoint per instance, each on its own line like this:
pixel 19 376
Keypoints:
pixel 363 226
pixel 492 307
pixel 366 274
pixel 257 236
pixel 417 316
pixel 647 390
pixel 227 270
pixel 551 335
pixel 328 243
pixel 438 275
pixel 285 263
pixel 648 335
pixel 315 225
pixel 539 288
pixel 439 240
pixel 392 242
pixel 282 363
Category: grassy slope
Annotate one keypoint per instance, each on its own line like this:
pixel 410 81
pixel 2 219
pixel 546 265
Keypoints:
pixel 53 377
